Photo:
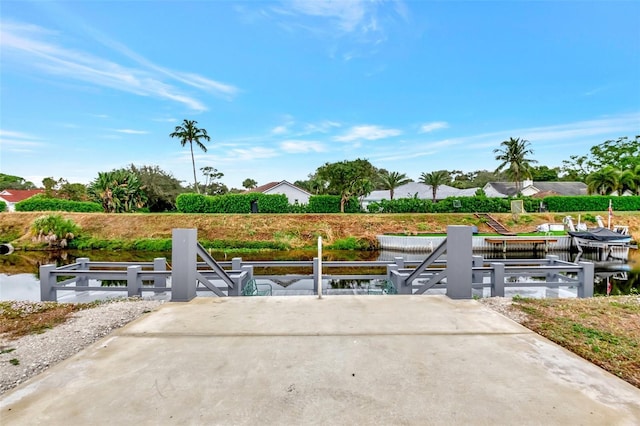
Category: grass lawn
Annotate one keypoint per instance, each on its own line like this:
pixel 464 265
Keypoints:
pixel 603 330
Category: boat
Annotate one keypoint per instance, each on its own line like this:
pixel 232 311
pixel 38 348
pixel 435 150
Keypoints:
pixel 600 236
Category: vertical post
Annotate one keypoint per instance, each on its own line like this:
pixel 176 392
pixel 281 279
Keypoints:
pixel 478 262
pixel 47 292
pixel 134 282
pixel 160 264
pixel 497 285
pixel 459 261
pixel 586 279
pixel 399 261
pixel 83 263
pixel 184 263
pixel 236 263
pixel 319 271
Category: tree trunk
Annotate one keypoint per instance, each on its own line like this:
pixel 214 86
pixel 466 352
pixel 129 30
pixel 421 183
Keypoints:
pixel 193 162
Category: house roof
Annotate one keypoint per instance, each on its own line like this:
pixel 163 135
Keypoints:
pixel 17 195
pixel 271 185
pixel 558 188
pixel 420 190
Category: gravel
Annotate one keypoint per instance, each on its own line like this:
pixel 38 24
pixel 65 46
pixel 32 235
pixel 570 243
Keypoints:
pixel 27 356
pixel 504 306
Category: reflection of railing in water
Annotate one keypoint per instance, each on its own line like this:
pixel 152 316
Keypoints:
pixel 459 275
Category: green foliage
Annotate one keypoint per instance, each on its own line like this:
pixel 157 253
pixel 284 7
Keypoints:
pixel 232 203
pixel 331 204
pixel 591 203
pixel 55 230
pixel 401 205
pixel 3 206
pixel 348 179
pixel 118 191
pixel 349 243
pixel 40 203
pixel 189 132
pixel 160 187
pixel 14 182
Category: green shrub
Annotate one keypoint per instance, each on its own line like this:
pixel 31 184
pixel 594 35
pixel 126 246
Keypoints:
pixel 55 230
pixel 331 204
pixel 232 203
pixel 349 243
pixel 401 205
pixel 593 203
pixel 40 203
pixel 3 206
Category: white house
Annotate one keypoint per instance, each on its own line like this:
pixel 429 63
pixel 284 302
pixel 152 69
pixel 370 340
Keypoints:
pixel 528 188
pixel 418 190
pixel 293 193
pixel 13 196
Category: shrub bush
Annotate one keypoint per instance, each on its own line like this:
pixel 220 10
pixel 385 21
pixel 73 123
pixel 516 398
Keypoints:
pixel 232 203
pixel 55 230
pixel 594 203
pixel 331 204
pixel 3 206
pixel 40 203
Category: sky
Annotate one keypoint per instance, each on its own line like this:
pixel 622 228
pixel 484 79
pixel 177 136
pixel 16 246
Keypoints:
pixel 285 87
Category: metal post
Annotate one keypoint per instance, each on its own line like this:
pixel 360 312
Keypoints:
pixel 236 263
pixel 160 264
pixel 497 284
pixel 478 276
pixel 184 263
pixel 399 261
pixel 552 260
pixel 315 275
pixel 134 282
pixel 319 271
pixel 47 292
pixel 586 279
pixel 459 261
pixel 83 263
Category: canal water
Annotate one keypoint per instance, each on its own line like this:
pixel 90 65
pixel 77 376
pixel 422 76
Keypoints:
pixel 19 271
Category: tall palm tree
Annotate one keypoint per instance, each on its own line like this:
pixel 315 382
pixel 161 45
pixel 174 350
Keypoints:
pixel 392 180
pixel 435 180
pixel 514 155
pixel 188 132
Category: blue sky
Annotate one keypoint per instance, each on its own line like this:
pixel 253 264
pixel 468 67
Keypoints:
pixel 284 87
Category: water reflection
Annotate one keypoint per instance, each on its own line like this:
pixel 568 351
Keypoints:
pixel 19 271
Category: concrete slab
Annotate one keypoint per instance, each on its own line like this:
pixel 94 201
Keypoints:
pixel 340 360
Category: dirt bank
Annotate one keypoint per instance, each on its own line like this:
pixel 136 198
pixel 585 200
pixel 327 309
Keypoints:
pixel 296 230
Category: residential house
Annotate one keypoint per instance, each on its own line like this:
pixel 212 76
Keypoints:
pixel 418 190
pixel 13 196
pixel 528 188
pixel 293 193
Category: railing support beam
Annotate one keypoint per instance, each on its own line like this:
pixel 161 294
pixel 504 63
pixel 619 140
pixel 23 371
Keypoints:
pixel 184 264
pixel 459 261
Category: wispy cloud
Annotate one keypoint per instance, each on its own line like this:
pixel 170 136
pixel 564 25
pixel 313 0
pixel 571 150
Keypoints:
pixel 279 130
pixel 436 125
pixel 131 131
pixel 37 47
pixel 322 127
pixel 252 153
pixel 301 146
pixel 367 132
pixel 11 141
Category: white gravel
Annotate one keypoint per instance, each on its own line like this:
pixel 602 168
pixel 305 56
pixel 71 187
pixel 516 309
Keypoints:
pixel 37 352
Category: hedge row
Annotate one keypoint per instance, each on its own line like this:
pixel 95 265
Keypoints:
pixel 40 203
pixel 592 203
pixel 3 206
pixel 232 203
pixel 331 204
pixel 503 205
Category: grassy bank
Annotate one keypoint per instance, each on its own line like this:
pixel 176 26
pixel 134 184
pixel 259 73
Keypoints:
pixel 603 330
pixel 287 231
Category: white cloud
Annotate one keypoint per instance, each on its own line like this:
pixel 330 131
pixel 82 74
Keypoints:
pixel 436 125
pixel 279 130
pixel 27 44
pixel 12 141
pixel 252 153
pixel 301 146
pixel 322 127
pixel 131 131
pixel 367 132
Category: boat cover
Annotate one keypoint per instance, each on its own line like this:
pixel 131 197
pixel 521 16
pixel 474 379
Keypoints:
pixel 599 234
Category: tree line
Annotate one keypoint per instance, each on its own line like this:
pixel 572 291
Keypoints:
pixel 610 167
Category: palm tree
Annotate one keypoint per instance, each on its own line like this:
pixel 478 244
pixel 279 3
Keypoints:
pixel 188 132
pixel 392 180
pixel 514 154
pixel 435 180
pixel 603 181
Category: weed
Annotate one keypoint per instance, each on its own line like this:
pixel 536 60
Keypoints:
pixel 14 361
pixel 7 351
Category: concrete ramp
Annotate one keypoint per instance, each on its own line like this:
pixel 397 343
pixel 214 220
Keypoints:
pixel 340 360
